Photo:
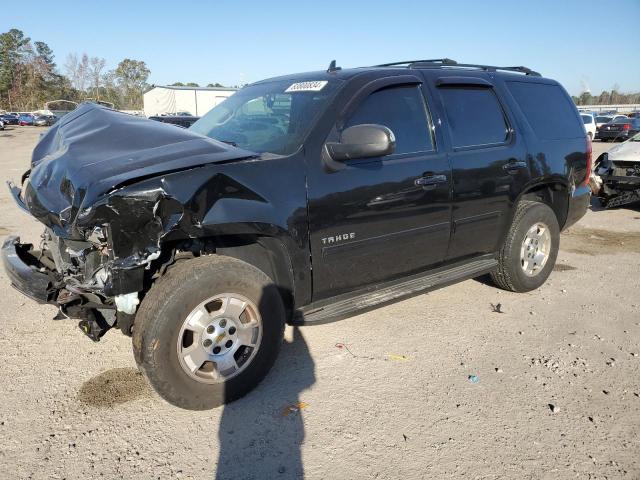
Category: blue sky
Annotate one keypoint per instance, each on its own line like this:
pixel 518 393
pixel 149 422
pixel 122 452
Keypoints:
pixel 588 43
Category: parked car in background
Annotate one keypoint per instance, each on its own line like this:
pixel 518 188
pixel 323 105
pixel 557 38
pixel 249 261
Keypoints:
pixel 25 119
pixel 45 120
pixel 616 174
pixel 620 129
pixel 1 125
pixel 9 119
pixel 589 124
pixel 603 119
pixel 181 120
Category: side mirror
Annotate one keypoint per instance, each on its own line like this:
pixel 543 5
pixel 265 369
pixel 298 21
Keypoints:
pixel 362 141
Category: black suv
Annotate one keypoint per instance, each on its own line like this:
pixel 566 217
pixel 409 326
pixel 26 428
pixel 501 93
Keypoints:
pixel 300 199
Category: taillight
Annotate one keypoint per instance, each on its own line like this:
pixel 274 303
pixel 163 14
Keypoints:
pixel 589 155
pixel 626 126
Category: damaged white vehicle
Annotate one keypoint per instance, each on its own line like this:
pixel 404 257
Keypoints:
pixel 616 174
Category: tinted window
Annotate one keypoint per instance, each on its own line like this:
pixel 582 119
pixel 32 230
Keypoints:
pixel 586 119
pixel 271 117
pixel 401 109
pixel 549 110
pixel 622 120
pixel 603 119
pixel 475 116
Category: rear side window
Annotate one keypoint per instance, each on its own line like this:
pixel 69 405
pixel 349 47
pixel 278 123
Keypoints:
pixel 548 109
pixel 401 109
pixel 586 119
pixel 475 116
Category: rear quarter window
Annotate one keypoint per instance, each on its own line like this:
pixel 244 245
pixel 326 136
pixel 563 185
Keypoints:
pixel 548 109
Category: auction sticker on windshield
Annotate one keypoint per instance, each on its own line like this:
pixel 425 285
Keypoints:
pixel 315 86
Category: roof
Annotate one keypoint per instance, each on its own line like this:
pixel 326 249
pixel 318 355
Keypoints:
pixel 214 89
pixel 402 67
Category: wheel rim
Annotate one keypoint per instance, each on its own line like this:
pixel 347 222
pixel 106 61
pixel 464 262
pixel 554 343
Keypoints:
pixel 219 338
pixel 536 248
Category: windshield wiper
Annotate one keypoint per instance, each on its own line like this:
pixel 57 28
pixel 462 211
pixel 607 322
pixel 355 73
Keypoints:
pixel 229 142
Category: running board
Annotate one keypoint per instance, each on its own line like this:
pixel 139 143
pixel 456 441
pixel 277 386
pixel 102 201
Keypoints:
pixel 392 291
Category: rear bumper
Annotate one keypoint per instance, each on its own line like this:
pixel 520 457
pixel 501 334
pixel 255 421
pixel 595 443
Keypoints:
pixel 608 135
pixel 579 202
pixel 23 271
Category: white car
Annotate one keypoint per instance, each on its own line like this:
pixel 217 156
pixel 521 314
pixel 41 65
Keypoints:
pixel 616 174
pixel 1 125
pixel 589 124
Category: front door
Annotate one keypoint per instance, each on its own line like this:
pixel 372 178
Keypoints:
pixel 375 219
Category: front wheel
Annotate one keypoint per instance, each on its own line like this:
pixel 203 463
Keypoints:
pixel 208 331
pixel 529 252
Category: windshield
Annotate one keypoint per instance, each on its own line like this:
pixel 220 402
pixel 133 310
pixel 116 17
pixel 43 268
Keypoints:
pixel 603 119
pixel 586 119
pixel 270 117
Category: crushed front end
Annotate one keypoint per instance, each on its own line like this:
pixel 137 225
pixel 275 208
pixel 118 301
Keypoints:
pixel 83 276
pixel 109 189
pixel 616 181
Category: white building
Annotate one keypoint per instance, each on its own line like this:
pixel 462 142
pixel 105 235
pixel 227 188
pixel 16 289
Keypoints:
pixel 195 100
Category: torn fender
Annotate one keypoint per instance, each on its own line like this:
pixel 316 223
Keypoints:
pixel 94 150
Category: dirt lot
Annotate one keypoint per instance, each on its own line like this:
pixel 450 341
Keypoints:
pixel 384 395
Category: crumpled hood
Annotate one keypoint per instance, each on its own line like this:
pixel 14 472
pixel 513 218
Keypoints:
pixel 627 151
pixel 94 150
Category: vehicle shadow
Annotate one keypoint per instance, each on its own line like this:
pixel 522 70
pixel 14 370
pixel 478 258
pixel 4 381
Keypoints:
pixel 260 435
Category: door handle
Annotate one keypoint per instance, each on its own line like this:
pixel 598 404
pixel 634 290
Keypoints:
pixel 514 165
pixel 430 181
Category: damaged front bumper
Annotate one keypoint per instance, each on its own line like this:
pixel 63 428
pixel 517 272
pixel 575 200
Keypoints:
pixel 26 273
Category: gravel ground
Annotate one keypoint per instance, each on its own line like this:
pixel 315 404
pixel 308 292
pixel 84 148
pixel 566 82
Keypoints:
pixel 437 386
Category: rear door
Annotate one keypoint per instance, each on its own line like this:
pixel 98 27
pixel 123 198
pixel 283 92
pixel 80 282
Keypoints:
pixel 488 161
pixel 376 219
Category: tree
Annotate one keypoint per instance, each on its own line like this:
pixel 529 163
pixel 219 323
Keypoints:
pixel 177 84
pixel 96 65
pixel 13 45
pixel 192 84
pixel 215 85
pixel 132 77
pixel 78 70
pixel 45 54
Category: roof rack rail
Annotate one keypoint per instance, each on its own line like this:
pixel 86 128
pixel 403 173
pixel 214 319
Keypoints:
pixel 439 61
pixel 487 68
pixel 447 62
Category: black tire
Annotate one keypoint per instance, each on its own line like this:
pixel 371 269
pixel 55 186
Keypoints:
pixel 167 305
pixel 510 275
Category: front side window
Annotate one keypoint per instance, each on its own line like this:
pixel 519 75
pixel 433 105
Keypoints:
pixel 403 111
pixel 475 116
pixel 272 117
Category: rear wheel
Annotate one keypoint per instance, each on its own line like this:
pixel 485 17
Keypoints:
pixel 208 331
pixel 529 252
